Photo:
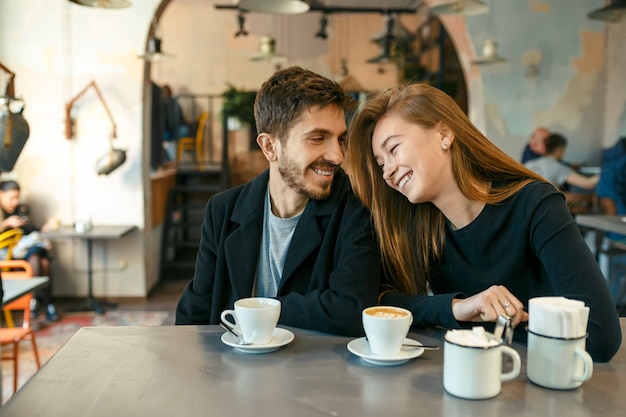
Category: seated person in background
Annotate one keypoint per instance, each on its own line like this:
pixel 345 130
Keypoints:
pixel 552 169
pixel 612 182
pixel 536 145
pixel 296 232
pixel 36 252
pixel 175 125
pixel 459 218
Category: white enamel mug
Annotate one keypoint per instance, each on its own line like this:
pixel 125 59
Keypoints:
pixel 558 363
pixel 475 372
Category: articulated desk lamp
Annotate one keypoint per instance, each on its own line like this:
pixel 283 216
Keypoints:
pixel 116 157
pixel 14 129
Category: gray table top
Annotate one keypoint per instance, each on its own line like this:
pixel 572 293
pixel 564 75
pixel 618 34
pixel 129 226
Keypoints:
pixel 188 371
pixel 97 232
pixel 606 223
pixel 15 288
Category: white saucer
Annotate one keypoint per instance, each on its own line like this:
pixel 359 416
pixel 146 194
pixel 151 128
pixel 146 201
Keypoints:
pixel 280 338
pixel 361 348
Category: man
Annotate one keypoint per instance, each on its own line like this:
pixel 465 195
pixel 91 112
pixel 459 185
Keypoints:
pixel 536 146
pixel 296 232
pixel 551 167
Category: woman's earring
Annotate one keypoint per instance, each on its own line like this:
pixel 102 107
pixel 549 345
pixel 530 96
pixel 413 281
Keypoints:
pixel 444 147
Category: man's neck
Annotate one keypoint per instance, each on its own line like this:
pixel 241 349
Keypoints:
pixel 285 202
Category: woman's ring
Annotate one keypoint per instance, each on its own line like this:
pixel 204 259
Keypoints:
pixel 506 305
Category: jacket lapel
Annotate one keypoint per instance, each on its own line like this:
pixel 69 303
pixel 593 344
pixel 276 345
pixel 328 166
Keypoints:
pixel 243 244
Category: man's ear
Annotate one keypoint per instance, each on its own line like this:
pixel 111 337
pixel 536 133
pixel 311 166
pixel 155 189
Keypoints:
pixel 267 143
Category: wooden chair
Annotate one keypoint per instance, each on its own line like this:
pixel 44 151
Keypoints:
pixel 13 336
pixel 8 240
pixel 194 144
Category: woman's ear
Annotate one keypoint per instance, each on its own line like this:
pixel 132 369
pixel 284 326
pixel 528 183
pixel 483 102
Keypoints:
pixel 446 135
pixel 267 143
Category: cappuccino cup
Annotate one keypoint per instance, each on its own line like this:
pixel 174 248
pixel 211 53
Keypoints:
pixel 254 319
pixel 472 364
pixel 558 363
pixel 385 328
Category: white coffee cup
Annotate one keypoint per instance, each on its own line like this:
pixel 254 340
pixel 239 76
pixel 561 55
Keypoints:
pixel 255 319
pixel 472 368
pixel 558 363
pixel 385 328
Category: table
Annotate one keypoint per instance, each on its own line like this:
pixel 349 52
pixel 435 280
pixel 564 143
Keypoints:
pixel 15 288
pixel 102 232
pixel 188 371
pixel 603 222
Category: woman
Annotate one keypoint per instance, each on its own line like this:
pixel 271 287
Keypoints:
pixel 15 215
pixel 458 217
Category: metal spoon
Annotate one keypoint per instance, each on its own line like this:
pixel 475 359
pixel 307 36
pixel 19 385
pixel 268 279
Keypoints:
pixel 240 339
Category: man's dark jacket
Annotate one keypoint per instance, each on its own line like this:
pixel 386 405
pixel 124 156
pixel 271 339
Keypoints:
pixel 331 273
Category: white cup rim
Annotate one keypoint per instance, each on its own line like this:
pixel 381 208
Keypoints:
pixel 473 347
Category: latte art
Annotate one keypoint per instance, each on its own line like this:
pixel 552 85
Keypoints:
pixel 386 312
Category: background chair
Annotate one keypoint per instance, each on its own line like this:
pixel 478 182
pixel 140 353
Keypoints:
pixel 8 240
pixel 13 336
pixel 194 144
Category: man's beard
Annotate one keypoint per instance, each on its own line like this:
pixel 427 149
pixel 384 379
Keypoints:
pixel 290 173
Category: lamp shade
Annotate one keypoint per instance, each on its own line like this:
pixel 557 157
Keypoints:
pixel 111 161
pixel 274 6
pixel 489 53
pixel 267 51
pixel 14 132
pixel 460 7
pixel 104 4
pixel 154 51
pixel 614 12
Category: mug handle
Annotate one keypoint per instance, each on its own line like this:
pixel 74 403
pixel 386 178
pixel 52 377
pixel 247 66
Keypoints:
pixel 232 324
pixel 587 366
pixel 517 363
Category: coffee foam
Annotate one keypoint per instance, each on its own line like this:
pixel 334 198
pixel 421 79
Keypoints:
pixel 477 337
pixel 386 312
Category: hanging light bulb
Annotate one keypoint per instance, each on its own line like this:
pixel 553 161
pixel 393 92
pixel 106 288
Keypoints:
pixel 241 21
pixel 322 34
pixel 104 4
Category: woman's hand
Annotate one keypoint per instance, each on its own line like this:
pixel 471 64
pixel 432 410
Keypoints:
pixel 488 305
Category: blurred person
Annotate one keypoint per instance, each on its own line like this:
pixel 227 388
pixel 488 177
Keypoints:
pixel 296 232
pixel 466 232
pixel 30 248
pixel 551 167
pixel 536 145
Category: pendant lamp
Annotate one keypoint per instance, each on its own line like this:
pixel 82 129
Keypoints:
pixel 460 7
pixel 489 53
pixel 267 51
pixel 274 6
pixel 154 52
pixel 614 12
pixel 104 4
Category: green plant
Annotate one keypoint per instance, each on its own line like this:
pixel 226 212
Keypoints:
pixel 240 104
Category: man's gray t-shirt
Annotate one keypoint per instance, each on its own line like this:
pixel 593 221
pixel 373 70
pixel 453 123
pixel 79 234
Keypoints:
pixel 277 234
pixel 552 170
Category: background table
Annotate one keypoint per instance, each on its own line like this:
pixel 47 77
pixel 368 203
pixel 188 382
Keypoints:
pixel 104 232
pixel 15 288
pixel 603 222
pixel 188 371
